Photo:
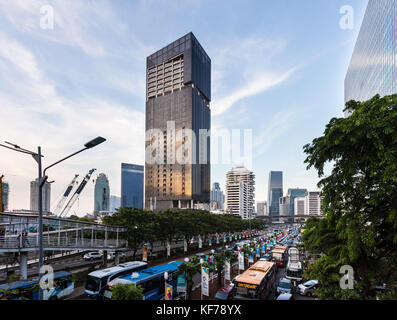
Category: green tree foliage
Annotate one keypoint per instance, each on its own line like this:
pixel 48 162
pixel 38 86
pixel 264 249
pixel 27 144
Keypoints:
pixel 122 291
pixel 146 226
pixel 360 199
pixel 190 268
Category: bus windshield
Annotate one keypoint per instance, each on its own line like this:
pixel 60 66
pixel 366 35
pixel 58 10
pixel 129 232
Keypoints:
pixel 294 273
pixel 93 283
pixel 246 292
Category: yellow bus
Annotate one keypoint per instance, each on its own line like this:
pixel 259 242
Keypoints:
pixel 256 282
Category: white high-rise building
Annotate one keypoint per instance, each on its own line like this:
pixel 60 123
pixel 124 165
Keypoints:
pixel 261 208
pixel 284 206
pixel 237 199
pixel 34 196
pixel 299 206
pixel 235 191
pixel 114 203
pixel 313 203
pixel 310 204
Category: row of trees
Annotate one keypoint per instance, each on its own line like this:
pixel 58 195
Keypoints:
pixel 148 227
pixel 360 201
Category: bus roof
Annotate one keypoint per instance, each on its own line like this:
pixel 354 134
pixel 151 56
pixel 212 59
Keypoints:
pixel 148 273
pixel 279 249
pixel 25 284
pixel 112 270
pixel 255 274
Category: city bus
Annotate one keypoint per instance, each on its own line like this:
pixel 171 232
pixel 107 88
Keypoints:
pixel 279 255
pixel 29 289
pixel 294 271
pixel 98 279
pixel 257 282
pixel 151 280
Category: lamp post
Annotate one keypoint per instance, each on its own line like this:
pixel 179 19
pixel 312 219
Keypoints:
pixel 42 178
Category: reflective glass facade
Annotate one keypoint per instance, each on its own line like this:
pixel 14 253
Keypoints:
pixel 101 193
pixel 275 192
pixel 132 178
pixel 373 66
pixel 294 193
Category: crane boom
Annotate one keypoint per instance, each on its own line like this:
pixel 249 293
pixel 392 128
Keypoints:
pixel 65 195
pixel 76 194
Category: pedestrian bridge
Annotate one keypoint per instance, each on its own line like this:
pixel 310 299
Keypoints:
pixel 19 233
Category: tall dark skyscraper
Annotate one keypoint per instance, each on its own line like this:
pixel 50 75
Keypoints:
pixel 275 192
pixel 132 185
pixel 177 168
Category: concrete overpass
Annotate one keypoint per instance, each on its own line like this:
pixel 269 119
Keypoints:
pixel 285 219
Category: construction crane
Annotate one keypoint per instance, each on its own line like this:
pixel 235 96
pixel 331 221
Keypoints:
pixel 76 194
pixel 65 195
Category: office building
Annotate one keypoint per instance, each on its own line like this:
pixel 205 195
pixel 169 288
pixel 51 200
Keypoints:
pixel 115 203
pixel 177 165
pixel 284 206
pixel 373 66
pixel 101 194
pixel 132 179
pixel 233 179
pixel 293 193
pixel 237 199
pixel 275 192
pixel 217 197
pixel 300 206
pixel 34 196
pixel 313 203
pixel 261 208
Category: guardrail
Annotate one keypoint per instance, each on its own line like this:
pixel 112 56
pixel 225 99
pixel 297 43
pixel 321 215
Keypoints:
pixel 66 243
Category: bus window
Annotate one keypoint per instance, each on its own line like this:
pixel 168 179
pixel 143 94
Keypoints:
pixel 93 283
pixel 245 292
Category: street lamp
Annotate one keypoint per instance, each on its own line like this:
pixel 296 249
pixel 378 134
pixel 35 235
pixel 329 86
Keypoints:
pixel 42 179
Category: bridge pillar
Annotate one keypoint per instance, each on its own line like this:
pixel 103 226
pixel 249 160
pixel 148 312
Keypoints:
pixel 105 258
pixel 24 265
pixel 116 258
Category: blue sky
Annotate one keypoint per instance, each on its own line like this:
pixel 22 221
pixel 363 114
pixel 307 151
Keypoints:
pixel 277 68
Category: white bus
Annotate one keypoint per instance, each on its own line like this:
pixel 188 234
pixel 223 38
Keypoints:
pixel 294 271
pixel 97 280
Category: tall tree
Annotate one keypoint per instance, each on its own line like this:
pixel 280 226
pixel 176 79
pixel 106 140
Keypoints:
pixel 359 196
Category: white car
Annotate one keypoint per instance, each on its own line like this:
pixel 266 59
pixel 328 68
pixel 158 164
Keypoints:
pixel 95 255
pixel 112 254
pixel 308 288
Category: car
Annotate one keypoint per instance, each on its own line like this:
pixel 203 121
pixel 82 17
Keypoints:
pixel 308 288
pixel 284 286
pixel 112 254
pixel 266 257
pixel 93 255
pixel 285 296
pixel 226 293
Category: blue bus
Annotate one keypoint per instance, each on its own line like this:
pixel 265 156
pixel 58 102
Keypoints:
pixel 98 279
pixel 151 280
pixel 28 289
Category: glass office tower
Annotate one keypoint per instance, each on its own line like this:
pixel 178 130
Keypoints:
pixel 177 166
pixel 373 66
pixel 275 192
pixel 132 178
pixel 294 193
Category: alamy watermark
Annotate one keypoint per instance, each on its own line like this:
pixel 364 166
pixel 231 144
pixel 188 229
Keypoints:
pixel 187 146
pixel 346 22
pixel 47 17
